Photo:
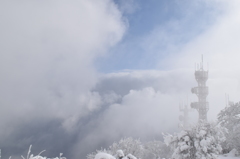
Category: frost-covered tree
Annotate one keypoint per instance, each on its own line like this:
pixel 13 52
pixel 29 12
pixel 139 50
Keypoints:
pixel 233 139
pixel 93 154
pixel 181 144
pixel 229 118
pixel 119 154
pixel 153 149
pixel 128 146
pixel 102 155
pixel 199 142
pixel 129 156
pixel 156 149
pixel 39 156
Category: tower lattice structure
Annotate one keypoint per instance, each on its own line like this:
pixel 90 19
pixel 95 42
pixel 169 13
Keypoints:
pixel 183 107
pixel 202 106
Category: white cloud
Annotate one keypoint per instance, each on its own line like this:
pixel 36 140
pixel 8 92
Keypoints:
pixel 47 50
pixel 141 114
pixel 219 45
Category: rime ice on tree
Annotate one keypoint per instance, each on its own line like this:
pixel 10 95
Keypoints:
pixel 201 91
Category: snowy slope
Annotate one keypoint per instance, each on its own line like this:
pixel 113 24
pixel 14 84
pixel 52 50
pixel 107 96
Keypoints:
pixel 228 157
pixel 223 157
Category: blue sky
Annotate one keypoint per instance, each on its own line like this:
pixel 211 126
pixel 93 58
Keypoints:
pixel 180 21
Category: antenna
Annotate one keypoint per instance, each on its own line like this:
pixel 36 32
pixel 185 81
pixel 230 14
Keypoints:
pixel 202 61
pixel 226 99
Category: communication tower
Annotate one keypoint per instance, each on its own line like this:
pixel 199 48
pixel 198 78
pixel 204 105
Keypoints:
pixel 183 107
pixel 202 106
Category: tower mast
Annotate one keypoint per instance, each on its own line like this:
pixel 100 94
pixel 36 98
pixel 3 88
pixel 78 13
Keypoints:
pixel 183 107
pixel 202 106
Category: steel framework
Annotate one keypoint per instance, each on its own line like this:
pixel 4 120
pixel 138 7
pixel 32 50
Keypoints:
pixel 202 106
pixel 183 107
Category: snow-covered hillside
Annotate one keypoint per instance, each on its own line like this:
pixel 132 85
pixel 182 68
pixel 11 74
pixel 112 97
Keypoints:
pixel 228 157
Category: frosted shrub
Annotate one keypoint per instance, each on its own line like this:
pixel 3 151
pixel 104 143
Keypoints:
pixel 128 146
pixel 38 156
pixel 156 150
pixel 119 154
pixel 102 155
pixel 229 118
pixel 92 155
pixel 124 146
pixel 200 142
pixel 130 156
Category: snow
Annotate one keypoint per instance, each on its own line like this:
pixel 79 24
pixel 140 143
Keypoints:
pixel 184 147
pixel 230 155
pixel 37 157
pixel 202 133
pixel 202 139
pixel 102 155
pixel 120 153
pixel 130 156
pixel 227 157
pixel 181 134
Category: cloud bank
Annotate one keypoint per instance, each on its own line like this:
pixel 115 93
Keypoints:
pixel 47 54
